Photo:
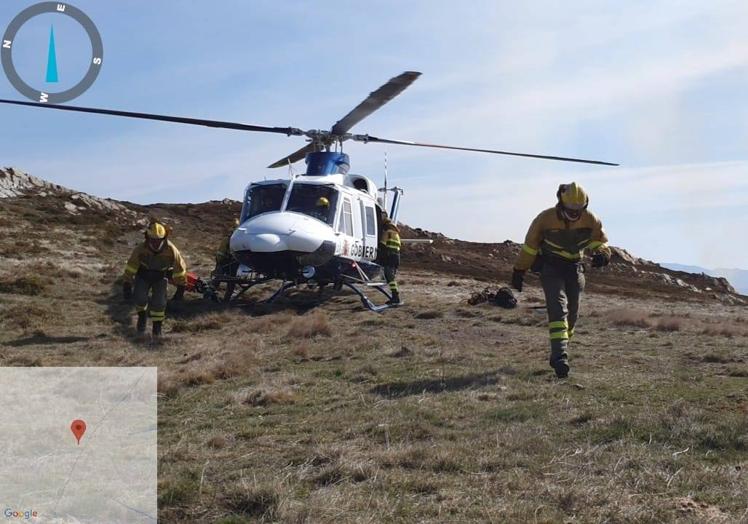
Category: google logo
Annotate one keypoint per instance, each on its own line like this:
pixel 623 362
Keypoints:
pixel 26 515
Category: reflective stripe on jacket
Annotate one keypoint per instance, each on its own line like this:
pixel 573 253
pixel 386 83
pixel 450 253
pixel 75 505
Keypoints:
pixel 555 237
pixel 391 238
pixel 168 259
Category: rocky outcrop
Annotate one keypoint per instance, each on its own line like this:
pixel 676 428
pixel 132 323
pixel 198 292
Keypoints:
pixel 17 184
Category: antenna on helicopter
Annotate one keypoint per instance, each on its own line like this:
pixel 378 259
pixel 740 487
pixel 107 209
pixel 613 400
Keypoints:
pixel 384 203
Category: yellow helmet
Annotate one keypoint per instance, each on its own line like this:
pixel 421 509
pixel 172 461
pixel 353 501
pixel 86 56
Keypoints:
pixel 155 236
pixel 573 199
pixel 323 202
pixel 156 231
pixel 573 196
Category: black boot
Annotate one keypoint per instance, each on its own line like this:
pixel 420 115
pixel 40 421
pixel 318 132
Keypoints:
pixel 561 367
pixel 560 363
pixel 157 329
pixel 141 322
pixel 395 300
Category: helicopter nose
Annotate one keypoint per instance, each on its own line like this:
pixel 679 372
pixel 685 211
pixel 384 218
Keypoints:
pixel 245 239
pixel 267 242
pixel 281 231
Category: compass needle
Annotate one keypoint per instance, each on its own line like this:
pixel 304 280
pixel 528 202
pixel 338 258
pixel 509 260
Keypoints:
pixel 52 58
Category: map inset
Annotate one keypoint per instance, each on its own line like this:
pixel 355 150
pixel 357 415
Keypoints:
pixel 78 445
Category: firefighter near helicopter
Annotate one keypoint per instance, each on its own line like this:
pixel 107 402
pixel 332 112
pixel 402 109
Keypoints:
pixel 320 227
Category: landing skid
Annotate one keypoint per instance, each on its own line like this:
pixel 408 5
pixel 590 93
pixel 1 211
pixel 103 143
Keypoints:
pixel 351 282
pixel 368 304
pixel 233 283
pixel 281 291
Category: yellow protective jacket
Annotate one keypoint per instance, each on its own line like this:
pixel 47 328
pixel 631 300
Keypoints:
pixel 390 238
pixel 224 250
pixel 555 237
pixel 168 260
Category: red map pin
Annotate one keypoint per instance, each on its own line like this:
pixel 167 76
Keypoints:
pixel 78 427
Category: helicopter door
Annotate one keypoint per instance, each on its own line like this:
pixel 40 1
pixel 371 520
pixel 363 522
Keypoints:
pixel 369 221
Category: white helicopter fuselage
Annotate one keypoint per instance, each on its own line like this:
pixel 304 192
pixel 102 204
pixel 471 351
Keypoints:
pixel 290 225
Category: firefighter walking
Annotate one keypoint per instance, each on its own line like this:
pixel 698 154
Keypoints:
pixel 556 240
pixel 389 253
pixel 148 270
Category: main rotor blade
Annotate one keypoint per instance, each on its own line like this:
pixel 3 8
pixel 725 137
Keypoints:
pixel 374 101
pixel 163 118
pixel 294 157
pixel 369 138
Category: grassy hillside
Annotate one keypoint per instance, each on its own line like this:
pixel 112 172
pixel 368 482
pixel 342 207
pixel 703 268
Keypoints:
pixel 435 412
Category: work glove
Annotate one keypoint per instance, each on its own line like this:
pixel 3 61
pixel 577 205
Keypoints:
pixel 127 290
pixel 600 260
pixel 178 294
pixel 518 278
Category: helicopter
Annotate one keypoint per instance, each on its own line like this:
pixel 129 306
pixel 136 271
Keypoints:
pixel 321 227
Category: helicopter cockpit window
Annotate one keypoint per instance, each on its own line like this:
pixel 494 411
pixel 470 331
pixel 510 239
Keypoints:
pixel 314 200
pixel 263 198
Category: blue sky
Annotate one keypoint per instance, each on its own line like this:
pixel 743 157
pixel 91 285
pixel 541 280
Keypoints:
pixel 658 86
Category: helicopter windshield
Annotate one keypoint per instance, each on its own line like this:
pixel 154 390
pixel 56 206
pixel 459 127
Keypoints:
pixel 263 198
pixel 317 201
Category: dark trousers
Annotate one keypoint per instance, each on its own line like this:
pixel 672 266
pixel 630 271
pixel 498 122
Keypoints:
pixel 390 263
pixel 390 275
pixel 563 284
pixel 156 305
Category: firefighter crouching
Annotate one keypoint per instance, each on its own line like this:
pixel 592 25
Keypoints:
pixel 557 239
pixel 389 256
pixel 150 266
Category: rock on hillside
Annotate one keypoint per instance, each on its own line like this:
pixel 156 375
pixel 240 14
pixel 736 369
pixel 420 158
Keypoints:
pixel 17 184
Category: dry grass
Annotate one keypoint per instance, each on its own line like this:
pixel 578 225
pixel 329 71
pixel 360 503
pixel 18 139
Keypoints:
pixel 269 323
pixel 30 285
pixel 302 350
pixel 203 371
pixel 315 324
pixel 265 396
pixel 253 500
pixel 207 322
pixel 28 316
pixel 725 329
pixel 630 318
pixel 645 320
pixel 669 324
pixel 429 314
pixel 217 442
pixel 340 415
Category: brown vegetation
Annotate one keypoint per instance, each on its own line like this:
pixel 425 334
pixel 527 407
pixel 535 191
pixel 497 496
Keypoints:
pixel 433 412
pixel 265 396
pixel 310 325
pixel 204 323
pixel 23 285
